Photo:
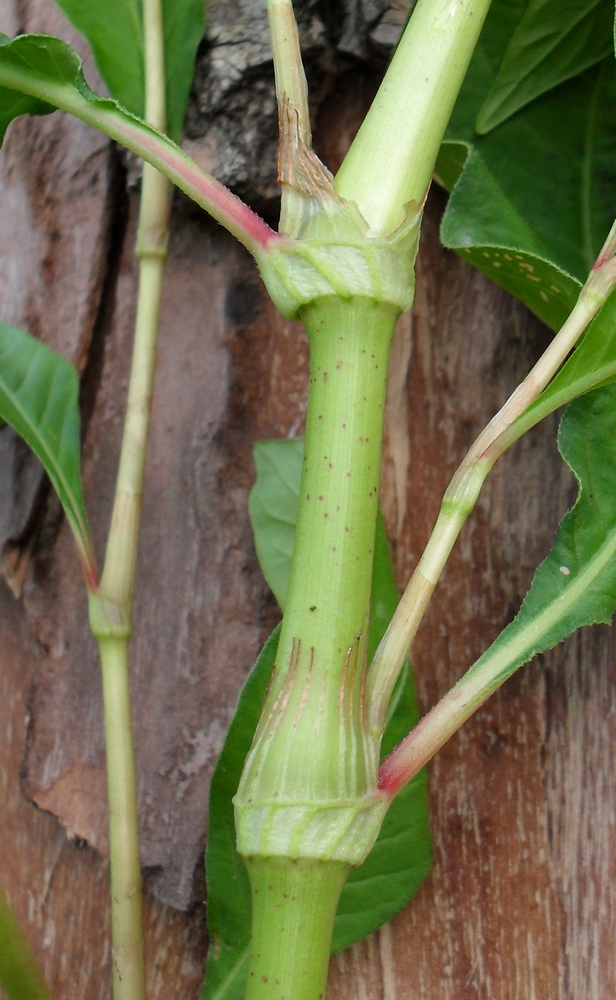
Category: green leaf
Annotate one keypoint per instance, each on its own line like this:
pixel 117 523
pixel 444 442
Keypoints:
pixel 39 394
pixel 401 857
pixel 36 73
pixel 555 41
pixel 184 28
pixel 114 30
pixel 20 975
pixel 533 200
pixel 576 585
pixel 228 895
pixel 272 507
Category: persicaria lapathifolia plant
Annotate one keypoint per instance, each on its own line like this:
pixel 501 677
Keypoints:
pixel 331 694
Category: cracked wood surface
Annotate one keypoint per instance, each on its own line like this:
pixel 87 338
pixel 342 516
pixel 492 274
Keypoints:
pixel 519 901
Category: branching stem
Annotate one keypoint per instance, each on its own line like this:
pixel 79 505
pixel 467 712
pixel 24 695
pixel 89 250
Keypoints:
pixel 458 502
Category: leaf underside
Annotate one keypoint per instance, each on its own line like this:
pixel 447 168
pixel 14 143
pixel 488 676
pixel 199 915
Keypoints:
pixel 39 392
pixel 401 857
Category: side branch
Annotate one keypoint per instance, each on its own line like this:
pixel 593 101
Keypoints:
pixel 152 146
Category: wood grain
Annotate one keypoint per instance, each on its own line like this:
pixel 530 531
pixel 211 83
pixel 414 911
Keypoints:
pixel 519 903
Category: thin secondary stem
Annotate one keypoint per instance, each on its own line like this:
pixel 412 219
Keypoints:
pixel 118 578
pixel 463 491
pixel 288 68
pixel 490 671
pixel 126 924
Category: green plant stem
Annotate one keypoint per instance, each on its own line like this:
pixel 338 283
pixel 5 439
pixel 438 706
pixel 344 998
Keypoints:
pixel 118 578
pixel 21 977
pixel 391 160
pixel 311 773
pixel 294 904
pixel 462 493
pixel 288 66
pixel 112 615
pixel 126 924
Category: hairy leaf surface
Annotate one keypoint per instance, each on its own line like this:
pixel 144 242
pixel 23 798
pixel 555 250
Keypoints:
pixel 401 857
pixel 534 199
pixel 554 41
pixel 39 392
pixel 114 30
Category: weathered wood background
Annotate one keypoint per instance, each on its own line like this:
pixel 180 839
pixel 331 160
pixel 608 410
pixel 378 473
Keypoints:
pixel 520 902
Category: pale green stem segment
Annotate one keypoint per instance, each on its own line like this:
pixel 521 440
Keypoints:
pixel 21 977
pixel 288 67
pixel 309 783
pixel 462 493
pixel 112 606
pixel 290 944
pixel 118 579
pixel 391 160
pixel 126 932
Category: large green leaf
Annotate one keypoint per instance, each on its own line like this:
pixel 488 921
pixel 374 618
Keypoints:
pixel 114 29
pixel 401 857
pixel 555 41
pixel 534 199
pixel 576 585
pixel 39 393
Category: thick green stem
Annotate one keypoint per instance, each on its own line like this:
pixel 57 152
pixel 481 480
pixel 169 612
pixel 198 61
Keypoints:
pixel 391 160
pixel 309 784
pixel 21 977
pixel 293 904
